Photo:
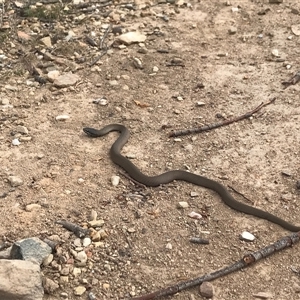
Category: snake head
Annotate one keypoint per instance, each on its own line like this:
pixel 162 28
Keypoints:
pixel 91 131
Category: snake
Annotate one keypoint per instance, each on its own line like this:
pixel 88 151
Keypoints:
pixel 169 176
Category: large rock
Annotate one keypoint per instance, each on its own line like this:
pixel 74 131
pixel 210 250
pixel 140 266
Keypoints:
pixel 31 249
pixel 20 280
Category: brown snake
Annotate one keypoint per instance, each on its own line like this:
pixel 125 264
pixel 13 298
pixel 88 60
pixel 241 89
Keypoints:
pixel 169 176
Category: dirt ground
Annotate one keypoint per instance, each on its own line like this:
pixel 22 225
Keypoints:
pixel 231 70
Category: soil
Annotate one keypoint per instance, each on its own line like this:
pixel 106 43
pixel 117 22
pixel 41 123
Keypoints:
pixel 230 70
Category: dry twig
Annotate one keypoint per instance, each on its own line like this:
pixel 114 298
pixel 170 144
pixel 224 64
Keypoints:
pixel 219 124
pixel 246 261
pixel 295 79
pixel 102 46
pixel 78 230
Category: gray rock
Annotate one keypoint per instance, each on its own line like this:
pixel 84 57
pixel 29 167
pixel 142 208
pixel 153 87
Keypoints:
pixel 31 249
pixel 24 281
pixel 206 290
pixel 66 80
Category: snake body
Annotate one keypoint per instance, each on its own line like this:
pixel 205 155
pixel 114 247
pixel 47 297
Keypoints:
pixel 167 177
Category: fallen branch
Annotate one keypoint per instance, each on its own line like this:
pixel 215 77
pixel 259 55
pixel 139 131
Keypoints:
pixel 246 261
pixel 295 79
pixel 220 124
pixel 76 229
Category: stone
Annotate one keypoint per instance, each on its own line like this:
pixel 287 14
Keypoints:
pixel 46 41
pixel 232 30
pixel 263 295
pixel 62 118
pixel 93 215
pixel 22 129
pixel 132 37
pixel 66 80
pixel 15 181
pixel 49 285
pixel 79 290
pixel 33 206
pixel 115 180
pixel 86 242
pixel 96 223
pixel 206 290
pixel 247 236
pixel 30 249
pixel 81 256
pixel 48 260
pixel 5 254
pixel 53 75
pixel 20 279
pixel 15 142
pixel 182 204
pixel 76 272
pixel 296 29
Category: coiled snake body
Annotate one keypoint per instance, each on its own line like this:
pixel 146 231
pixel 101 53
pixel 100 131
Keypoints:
pixel 167 177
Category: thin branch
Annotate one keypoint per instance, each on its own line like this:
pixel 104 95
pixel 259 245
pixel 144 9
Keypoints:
pixel 102 46
pixel 220 124
pixel 247 260
pixel 76 229
pixel 295 79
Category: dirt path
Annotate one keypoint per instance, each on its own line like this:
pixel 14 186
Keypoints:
pixel 69 174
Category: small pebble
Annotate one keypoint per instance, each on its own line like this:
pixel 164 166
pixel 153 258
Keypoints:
pixel 247 236
pixel 86 242
pixel 169 246
pixel 77 242
pixel 182 204
pixel 195 215
pixel 15 142
pixel 76 271
pixel 155 69
pixel 194 194
pixel 62 117
pixel 286 173
pixel 263 295
pixel 79 290
pixel 232 30
pixel 206 290
pixel 106 286
pixel 80 180
pixel 275 52
pixel 115 180
pixel 22 129
pixel 93 215
pixel 33 206
pixel 47 260
pixel 15 181
pixel 96 223
pixel 81 256
pixel 101 101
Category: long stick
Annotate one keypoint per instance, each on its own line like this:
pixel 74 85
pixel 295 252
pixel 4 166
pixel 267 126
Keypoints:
pixel 219 124
pixel 246 261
